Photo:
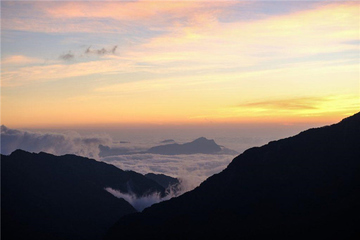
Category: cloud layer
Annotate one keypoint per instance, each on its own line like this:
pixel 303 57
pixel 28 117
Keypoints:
pixel 54 143
pixel 191 169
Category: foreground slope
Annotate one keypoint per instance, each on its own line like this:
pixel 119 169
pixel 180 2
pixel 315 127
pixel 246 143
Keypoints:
pixel 306 186
pixel 62 197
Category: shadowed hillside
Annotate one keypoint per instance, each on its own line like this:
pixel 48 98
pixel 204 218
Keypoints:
pixel 306 186
pixel 62 197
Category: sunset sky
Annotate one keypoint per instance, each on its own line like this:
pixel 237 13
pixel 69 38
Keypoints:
pixel 73 63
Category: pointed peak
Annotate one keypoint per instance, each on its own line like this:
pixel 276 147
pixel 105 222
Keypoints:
pixel 202 139
pixel 19 152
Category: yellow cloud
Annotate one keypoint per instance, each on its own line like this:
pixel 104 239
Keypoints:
pixel 296 109
pixel 20 60
pixel 201 64
pixel 237 44
pixel 106 16
pixel 53 72
pixel 303 103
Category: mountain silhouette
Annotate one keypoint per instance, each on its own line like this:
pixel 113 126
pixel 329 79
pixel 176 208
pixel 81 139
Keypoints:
pixel 200 145
pixel 106 151
pixel 63 197
pixel 301 187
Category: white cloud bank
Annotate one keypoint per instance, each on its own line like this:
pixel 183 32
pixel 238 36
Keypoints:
pixel 54 143
pixel 190 169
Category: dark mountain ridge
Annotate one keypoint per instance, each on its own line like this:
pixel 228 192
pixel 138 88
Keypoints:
pixel 306 186
pixel 63 197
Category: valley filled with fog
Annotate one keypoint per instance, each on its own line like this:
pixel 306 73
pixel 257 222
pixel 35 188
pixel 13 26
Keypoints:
pixel 127 149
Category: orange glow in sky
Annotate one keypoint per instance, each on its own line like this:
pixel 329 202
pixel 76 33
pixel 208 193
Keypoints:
pixel 193 62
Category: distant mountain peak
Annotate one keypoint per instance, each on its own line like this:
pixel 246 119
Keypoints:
pixel 200 145
pixel 203 139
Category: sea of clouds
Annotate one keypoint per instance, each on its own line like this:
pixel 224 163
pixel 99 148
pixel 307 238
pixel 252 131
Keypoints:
pixel 191 169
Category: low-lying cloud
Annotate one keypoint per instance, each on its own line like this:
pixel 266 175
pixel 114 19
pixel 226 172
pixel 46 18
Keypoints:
pixel 54 143
pixel 140 203
pixel 190 169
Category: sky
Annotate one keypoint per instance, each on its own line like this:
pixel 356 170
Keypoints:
pixel 76 63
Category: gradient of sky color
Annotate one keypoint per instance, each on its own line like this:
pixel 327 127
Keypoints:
pixel 70 63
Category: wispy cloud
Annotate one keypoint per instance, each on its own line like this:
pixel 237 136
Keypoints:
pixel 20 60
pixel 67 57
pixel 102 17
pixel 180 54
pixel 299 108
pixel 322 29
pixel 52 72
pixel 197 40
pixel 101 51
pixel 287 104
pixel 140 203
pixel 90 51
